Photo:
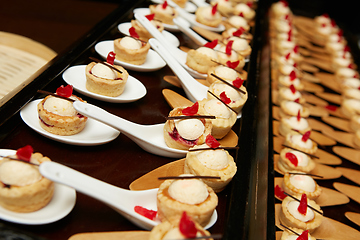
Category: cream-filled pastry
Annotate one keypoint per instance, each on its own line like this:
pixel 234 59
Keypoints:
pixel 237 22
pixel 293 124
pixel 301 142
pixel 201 59
pixel 290 94
pixel 290 108
pixel 293 160
pixel 240 45
pixel 142 32
pixel 131 50
pixel 295 184
pixel 223 72
pixel 245 11
pixel 208 15
pixel 164 13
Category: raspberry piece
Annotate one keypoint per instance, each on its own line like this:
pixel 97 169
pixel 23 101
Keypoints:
pixel 211 141
pixel 303 204
pixel 224 98
pixel 25 153
pixel 192 110
pixel 211 44
pixel 64 91
pixel 187 226
pixel 292 158
pixel 110 58
pixel 306 136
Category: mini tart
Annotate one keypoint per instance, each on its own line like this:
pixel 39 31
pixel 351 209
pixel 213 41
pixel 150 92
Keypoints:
pixel 142 32
pixel 237 104
pixel 163 16
pixel 357 138
pixel 174 140
pixel 289 108
pixel 229 75
pixel 289 220
pixel 238 46
pixel 171 210
pixel 60 125
pixel 292 190
pixel 287 126
pixel 29 198
pixel 286 82
pixel 236 22
pixel 160 230
pixel 132 56
pixel 220 126
pixel 229 33
pixel 204 16
pixel 285 94
pixel 199 61
pixel 287 234
pixel 103 86
pixel 285 165
pixel 355 122
pixel 233 57
pixel 195 167
pixel 291 140
pixel 350 107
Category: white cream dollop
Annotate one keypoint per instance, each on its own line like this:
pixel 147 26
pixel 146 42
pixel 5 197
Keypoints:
pixel 59 106
pixel 225 73
pixel 102 71
pixel 296 124
pixel 188 191
pixel 18 173
pixel 293 210
pixel 297 140
pixel 288 94
pixel 130 43
pixel 217 109
pixel 213 159
pixel 238 21
pixel 303 159
pixel 293 107
pixel 303 182
pixel 208 52
pixel 239 44
pixel 190 129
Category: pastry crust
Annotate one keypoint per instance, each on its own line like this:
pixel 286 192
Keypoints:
pixel 179 142
pixel 27 198
pixel 289 220
pixel 133 56
pixel 285 165
pixel 292 190
pixel 142 32
pixel 103 86
pixel 202 16
pixel 163 16
pixel 60 125
pixel 195 167
pixel 170 210
pixel 199 61
pixel 289 142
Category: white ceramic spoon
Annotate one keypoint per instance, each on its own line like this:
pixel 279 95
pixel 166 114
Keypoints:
pixel 180 55
pixel 148 137
pixel 184 26
pixel 122 200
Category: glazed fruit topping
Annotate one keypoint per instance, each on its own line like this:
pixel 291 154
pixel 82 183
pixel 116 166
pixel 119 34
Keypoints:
pixel 110 58
pixel 296 49
pixel 64 91
pixel 297 100
pixel 150 17
pixel 164 5
pixel 287 56
pixel 292 158
pixel 192 110
pixel 304 235
pixel 224 98
pixel 298 117
pixel 331 107
pixel 250 4
pixel 279 192
pixel 306 136
pixel 133 33
pixel 292 88
pixel 211 44
pixel 232 65
pixel 211 141
pixel 214 9
pixel 285 3
pixel 239 32
pixel 229 47
pixel 238 82
pixel 25 153
pixel 292 75
pixel 303 204
pixel 241 14
pixel 150 214
pixel 187 226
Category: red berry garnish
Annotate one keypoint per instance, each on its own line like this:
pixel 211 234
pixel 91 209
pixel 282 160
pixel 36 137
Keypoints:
pixel 214 9
pixel 279 192
pixel 241 14
pixel 284 2
pixel 331 107
pixel 25 153
pixel 150 17
pixel 293 89
pixel 326 15
pixel 340 33
pixel 287 56
pixel 296 49
pixel 164 5
pixel 298 116
pixel 211 141
pixel 292 75
pixel 64 91
pixel 192 110
pixel 224 98
pixel 303 204
pixel 232 65
pixel 295 65
pixel 238 32
pixel 150 214
pixel 306 136
pixel 304 235
pixel 110 58
pixel 187 226
pixel 133 32
pixel 250 4
pixel 238 82
pixel 228 48
pixel 292 158
pixel 333 23
pixel 211 44
pixel 297 100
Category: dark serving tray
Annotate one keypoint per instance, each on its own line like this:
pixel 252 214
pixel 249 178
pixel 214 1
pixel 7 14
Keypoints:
pixel 246 206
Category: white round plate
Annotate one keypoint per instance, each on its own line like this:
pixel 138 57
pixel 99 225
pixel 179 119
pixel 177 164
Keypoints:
pixel 146 11
pixel 189 6
pixel 60 205
pixel 75 76
pixel 153 61
pixel 124 29
pixel 94 133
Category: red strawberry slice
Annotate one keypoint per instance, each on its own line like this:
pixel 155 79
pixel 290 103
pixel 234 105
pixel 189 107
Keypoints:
pixel 211 44
pixel 25 153
pixel 306 136
pixel 64 91
pixel 232 65
pixel 293 89
pixel 214 9
pixel 110 58
pixel 150 17
pixel 238 82
pixel 187 226
pixel 292 75
pixel 304 235
pixel 298 117
pixel 192 110
pixel 211 141
pixel 292 158
pixel 229 47
pixel 238 32
pixel 164 5
pixel 331 107
pixel 303 204
pixel 224 98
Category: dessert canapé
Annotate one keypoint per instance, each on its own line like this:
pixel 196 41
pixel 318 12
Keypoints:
pixel 208 15
pixel 184 229
pixel 290 108
pixel 205 160
pixel 22 187
pixel 301 142
pixel 202 58
pixel 164 13
pixel 58 116
pixel 293 124
pixel 104 80
pixel 291 160
pixel 131 49
pixel 223 72
pixel 295 184
pixel 142 32
pixel 191 195
pixel 185 129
